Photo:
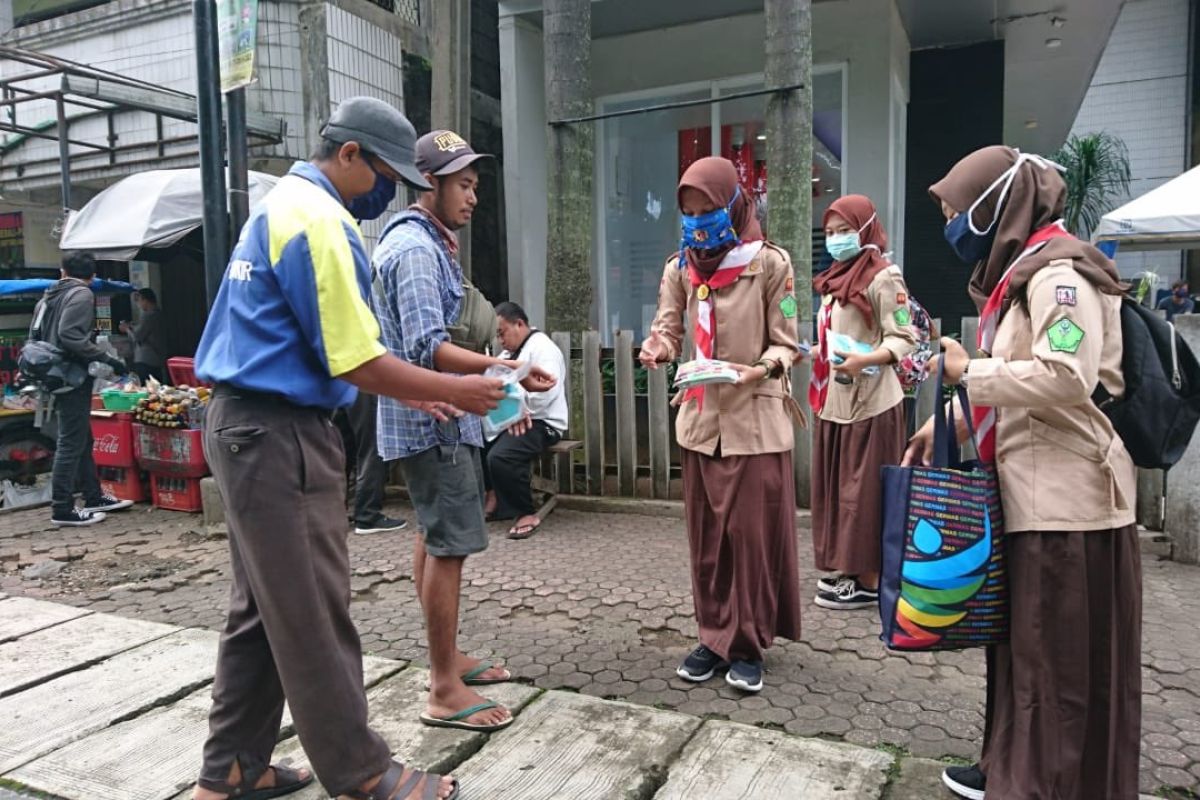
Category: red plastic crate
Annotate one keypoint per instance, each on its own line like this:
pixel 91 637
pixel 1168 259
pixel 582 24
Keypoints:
pixel 112 440
pixel 175 493
pixel 182 372
pixel 123 483
pixel 170 451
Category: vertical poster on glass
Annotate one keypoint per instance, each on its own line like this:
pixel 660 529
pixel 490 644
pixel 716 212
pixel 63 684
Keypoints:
pixel 12 241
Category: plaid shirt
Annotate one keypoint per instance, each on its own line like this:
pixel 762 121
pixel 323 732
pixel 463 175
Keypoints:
pixel 422 289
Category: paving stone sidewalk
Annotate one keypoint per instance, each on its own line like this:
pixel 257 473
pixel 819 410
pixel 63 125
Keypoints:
pixel 600 605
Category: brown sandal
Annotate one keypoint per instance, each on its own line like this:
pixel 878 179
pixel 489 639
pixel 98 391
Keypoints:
pixel 389 787
pixel 287 780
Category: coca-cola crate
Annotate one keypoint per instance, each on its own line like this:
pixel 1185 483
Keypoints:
pixel 112 440
pixel 175 493
pixel 123 483
pixel 170 451
pixel 182 372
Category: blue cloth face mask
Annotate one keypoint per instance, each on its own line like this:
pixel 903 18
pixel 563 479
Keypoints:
pixel 372 204
pixel 968 245
pixel 845 246
pixel 709 231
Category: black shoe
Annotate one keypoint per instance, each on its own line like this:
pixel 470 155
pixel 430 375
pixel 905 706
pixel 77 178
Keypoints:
pixel 745 675
pixel 968 782
pixel 700 665
pixel 829 583
pixel 105 503
pixel 77 518
pixel 380 525
pixel 849 594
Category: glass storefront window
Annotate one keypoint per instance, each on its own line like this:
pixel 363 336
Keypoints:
pixel 642 157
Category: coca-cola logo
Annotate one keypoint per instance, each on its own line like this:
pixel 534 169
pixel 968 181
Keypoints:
pixel 108 443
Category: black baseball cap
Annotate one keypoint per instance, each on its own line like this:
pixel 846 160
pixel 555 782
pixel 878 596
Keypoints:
pixel 380 129
pixel 445 153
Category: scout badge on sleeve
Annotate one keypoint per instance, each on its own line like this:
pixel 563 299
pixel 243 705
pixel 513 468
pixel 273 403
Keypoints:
pixel 944 581
pixel 1065 336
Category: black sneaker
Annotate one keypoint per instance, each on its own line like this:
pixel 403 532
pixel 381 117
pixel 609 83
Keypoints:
pixel 77 518
pixel 847 595
pixel 968 782
pixel 700 665
pixel 745 675
pixel 380 525
pixel 106 503
pixel 830 582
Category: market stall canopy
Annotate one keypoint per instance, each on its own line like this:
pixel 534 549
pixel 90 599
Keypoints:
pixel 153 209
pixel 1166 218
pixel 23 286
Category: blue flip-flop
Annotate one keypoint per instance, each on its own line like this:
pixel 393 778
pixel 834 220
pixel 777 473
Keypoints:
pixel 472 678
pixel 459 721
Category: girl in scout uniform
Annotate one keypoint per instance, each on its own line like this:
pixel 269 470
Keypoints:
pixel 736 439
pixel 1064 694
pixel 857 399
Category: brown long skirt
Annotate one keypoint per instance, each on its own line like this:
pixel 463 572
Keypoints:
pixel 847 492
pixel 1064 696
pixel 741 521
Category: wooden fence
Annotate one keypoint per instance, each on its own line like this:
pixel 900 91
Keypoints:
pixel 621 412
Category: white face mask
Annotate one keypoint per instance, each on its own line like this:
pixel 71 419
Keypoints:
pixel 1006 178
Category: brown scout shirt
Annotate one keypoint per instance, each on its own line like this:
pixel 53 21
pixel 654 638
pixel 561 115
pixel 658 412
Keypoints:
pixel 871 395
pixel 751 324
pixel 1062 466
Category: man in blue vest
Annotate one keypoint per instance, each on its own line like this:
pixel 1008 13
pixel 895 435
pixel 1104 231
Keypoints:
pixel 289 339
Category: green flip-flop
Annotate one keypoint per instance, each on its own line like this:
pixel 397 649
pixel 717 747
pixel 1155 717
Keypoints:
pixel 459 721
pixel 472 678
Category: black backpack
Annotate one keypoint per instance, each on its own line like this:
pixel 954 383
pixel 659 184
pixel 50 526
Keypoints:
pixel 42 362
pixel 1161 406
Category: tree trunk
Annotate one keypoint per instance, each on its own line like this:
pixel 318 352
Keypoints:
pixel 789 171
pixel 567 27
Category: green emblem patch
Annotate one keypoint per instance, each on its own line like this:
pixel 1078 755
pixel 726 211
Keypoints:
pixel 902 316
pixel 788 306
pixel 1065 336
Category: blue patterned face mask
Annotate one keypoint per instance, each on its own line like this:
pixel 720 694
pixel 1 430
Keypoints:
pixel 709 231
pixel 372 204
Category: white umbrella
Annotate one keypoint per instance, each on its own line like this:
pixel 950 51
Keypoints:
pixel 1166 218
pixel 150 209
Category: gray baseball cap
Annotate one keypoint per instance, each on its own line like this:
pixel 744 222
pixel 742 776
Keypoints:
pixel 379 129
pixel 445 153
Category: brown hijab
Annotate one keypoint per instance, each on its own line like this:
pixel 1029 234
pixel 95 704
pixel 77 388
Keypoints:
pixel 717 179
pixel 847 281
pixel 1035 200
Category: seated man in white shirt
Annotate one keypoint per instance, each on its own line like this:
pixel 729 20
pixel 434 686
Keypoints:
pixel 508 459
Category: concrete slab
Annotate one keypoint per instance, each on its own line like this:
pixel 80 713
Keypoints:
pixel 571 745
pixel 728 761
pixel 54 714
pixel 20 616
pixel 73 645
pixel 395 705
pixel 919 779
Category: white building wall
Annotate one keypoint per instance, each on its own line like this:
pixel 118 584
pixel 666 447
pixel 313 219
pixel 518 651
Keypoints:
pixel 366 60
pixel 1139 93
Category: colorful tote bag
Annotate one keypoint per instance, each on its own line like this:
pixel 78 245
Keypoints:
pixel 944 584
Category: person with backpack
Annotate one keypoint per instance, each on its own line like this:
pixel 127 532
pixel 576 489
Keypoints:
pixel 66 318
pixel 857 399
pixel 420 295
pixel 1063 714
pixel 736 291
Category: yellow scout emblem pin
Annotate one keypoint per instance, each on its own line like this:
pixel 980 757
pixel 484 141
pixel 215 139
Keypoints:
pixel 700 236
pixel 702 291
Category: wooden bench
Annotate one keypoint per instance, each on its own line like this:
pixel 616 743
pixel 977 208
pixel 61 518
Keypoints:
pixel 560 481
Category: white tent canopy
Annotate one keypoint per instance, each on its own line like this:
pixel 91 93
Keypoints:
pixel 155 209
pixel 1166 218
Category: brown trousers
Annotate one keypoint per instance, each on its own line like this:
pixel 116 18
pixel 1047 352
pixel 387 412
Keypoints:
pixel 1064 695
pixel 281 472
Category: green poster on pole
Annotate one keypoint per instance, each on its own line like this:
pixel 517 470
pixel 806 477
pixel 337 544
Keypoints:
pixel 237 32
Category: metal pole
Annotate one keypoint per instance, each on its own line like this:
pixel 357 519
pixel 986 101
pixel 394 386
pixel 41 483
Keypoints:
pixel 64 152
pixel 239 157
pixel 212 165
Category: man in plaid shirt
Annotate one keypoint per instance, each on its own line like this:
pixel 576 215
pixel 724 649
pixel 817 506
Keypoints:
pixel 419 294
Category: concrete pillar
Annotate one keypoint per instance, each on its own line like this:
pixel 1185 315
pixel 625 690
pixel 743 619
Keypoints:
pixel 524 116
pixel 212 506
pixel 450 44
pixel 1182 522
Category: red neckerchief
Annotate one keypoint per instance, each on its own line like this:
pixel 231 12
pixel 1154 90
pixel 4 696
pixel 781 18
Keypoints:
pixel 448 236
pixel 989 322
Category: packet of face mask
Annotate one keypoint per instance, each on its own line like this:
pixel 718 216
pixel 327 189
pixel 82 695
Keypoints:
pixel 841 343
pixel 513 407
